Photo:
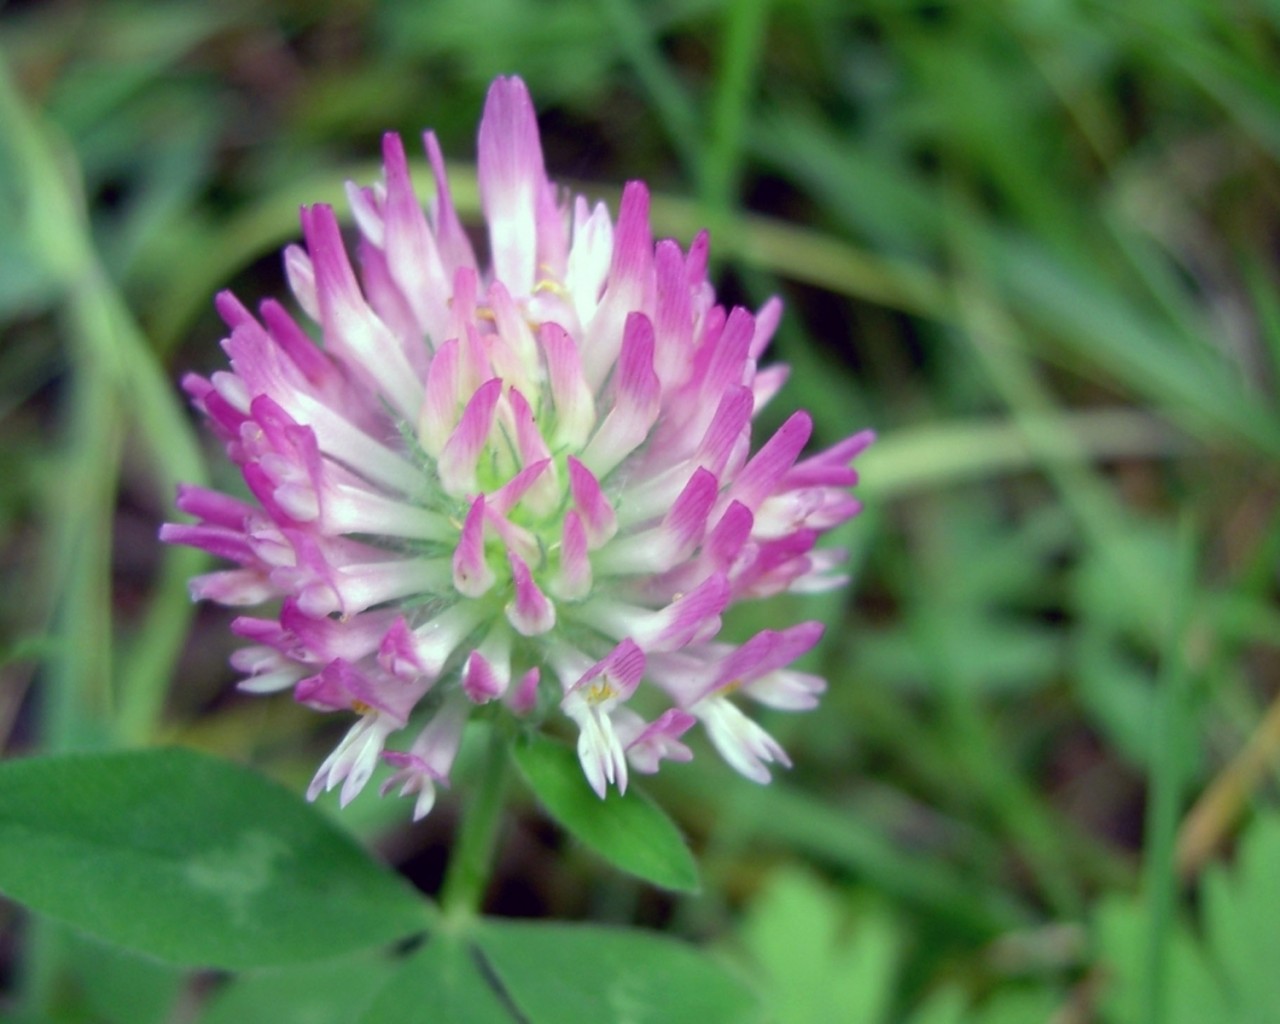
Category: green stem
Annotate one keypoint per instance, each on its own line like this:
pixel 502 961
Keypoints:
pixel 1168 770
pixel 721 164
pixel 471 864
pixel 679 115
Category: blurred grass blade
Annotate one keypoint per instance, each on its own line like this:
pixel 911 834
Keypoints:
pixel 1096 324
pixel 721 164
pixel 678 113
pixel 1168 774
pixel 118 381
pixel 805 823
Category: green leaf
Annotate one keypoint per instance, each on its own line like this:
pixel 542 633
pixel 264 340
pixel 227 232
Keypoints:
pixel 813 968
pixel 445 980
pixel 946 1006
pixel 1018 1007
pixel 113 984
pixel 628 830
pixel 328 992
pixel 191 859
pixel 1193 994
pixel 1229 974
pixel 1240 913
pixel 567 974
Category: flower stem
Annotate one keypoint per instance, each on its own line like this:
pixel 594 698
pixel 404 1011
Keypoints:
pixel 470 866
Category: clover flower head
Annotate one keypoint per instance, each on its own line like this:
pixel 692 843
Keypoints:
pixel 528 483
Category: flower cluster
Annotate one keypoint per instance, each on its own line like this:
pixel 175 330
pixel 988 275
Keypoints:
pixel 530 484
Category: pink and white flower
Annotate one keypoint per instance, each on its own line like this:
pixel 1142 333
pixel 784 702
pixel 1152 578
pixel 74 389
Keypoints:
pixel 529 484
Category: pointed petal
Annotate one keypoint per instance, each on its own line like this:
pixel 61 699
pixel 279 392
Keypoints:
pixel 457 465
pixel 630 284
pixel 443 396
pixel 471 573
pixel 455 246
pixel 636 400
pixel 762 475
pixel 598 518
pixel 673 541
pixel 746 747
pixel 673 317
pixel 352 331
pixel 732 420
pixel 574 581
pixel 571 397
pixel 511 175
pixel 689 619
pixel 480 681
pixel 529 611
pixel 412 256
pixel 506 497
pixel 524 696
pixel 646 744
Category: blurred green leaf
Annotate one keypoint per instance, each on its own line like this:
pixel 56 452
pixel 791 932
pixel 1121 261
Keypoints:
pixel 947 1006
pixel 192 860
pixel 1103 330
pixel 817 964
pixel 991 654
pixel 123 54
pixel 787 817
pixel 1116 689
pixel 25 285
pixel 1118 640
pixel 1226 974
pixel 120 987
pixel 628 830
pixel 1018 1007
pixel 444 980
pixel 567 974
pixel 328 992
pixel 871 192
pixel 1241 908
pixel 563 47
pixel 1193 995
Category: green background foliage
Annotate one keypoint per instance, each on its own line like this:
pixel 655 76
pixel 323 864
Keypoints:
pixel 1032 244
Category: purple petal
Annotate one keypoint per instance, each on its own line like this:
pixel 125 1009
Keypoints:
pixel 511 173
pixel 597 514
pixel 457 466
pixel 529 611
pixel 471 573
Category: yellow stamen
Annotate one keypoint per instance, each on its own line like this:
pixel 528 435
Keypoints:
pixel 551 285
pixel 599 691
